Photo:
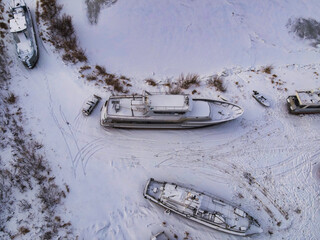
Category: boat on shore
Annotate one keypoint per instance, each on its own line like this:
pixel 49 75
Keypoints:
pixel 159 110
pixel 160 236
pixel 202 208
pixel 261 99
pixel 22 28
pixel 304 102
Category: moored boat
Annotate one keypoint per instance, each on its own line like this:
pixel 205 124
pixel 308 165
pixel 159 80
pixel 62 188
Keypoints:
pixel 21 26
pixel 160 236
pixel 202 208
pixel 261 99
pixel 304 102
pixel 158 110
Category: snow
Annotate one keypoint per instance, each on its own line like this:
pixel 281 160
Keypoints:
pixel 308 97
pixel 265 160
pixel 18 23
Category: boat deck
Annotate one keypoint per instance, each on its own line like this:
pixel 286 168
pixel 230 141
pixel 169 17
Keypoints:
pixel 308 98
pixel 202 208
pixel 205 207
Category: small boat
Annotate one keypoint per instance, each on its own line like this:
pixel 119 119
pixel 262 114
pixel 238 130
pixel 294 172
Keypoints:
pixel 21 26
pixel 202 208
pixel 160 236
pixel 158 110
pixel 261 99
pixel 304 102
pixel 90 104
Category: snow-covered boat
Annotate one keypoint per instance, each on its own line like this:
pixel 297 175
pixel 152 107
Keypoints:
pixel 202 208
pixel 158 110
pixel 261 99
pixel 160 236
pixel 304 102
pixel 90 104
pixel 21 26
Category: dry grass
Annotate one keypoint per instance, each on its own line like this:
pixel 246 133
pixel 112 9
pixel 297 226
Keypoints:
pixel 23 230
pixel 11 99
pixel 151 82
pixel 3 25
pixel 267 69
pixel 175 89
pixel 60 30
pixel 63 37
pixel 85 67
pixel 113 81
pixel 101 70
pixel 99 74
pixel 217 82
pixel 91 77
pixel 63 26
pixel 186 82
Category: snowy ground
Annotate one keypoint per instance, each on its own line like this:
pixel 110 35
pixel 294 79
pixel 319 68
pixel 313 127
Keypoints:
pixel 267 161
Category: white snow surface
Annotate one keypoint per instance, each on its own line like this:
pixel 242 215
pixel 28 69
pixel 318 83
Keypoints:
pixel 267 161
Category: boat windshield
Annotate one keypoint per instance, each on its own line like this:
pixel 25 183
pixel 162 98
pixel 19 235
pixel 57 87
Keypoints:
pixel 20 37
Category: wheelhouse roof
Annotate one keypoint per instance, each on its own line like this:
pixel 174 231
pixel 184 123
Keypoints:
pixel 18 23
pixel 309 98
pixel 168 103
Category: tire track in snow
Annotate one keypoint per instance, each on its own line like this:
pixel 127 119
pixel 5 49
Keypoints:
pixel 73 138
pixel 53 115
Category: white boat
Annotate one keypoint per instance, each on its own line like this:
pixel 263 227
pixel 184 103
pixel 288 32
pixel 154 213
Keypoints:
pixel 261 99
pixel 202 208
pixel 304 102
pixel 158 110
pixel 160 236
pixel 90 104
pixel 21 26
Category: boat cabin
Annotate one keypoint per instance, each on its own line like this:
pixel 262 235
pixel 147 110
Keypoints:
pixel 168 103
pixel 308 98
pixel 149 103
pixel 18 23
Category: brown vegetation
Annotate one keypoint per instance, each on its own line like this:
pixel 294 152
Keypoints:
pixel 186 82
pixel 24 230
pixel 60 30
pixel 267 69
pixel 11 99
pixel 217 82
pixel 3 25
pixel 151 82
pixel 63 37
pixel 101 70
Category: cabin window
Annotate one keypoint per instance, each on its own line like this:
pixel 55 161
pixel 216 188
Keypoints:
pixel 16 38
pixel 170 113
